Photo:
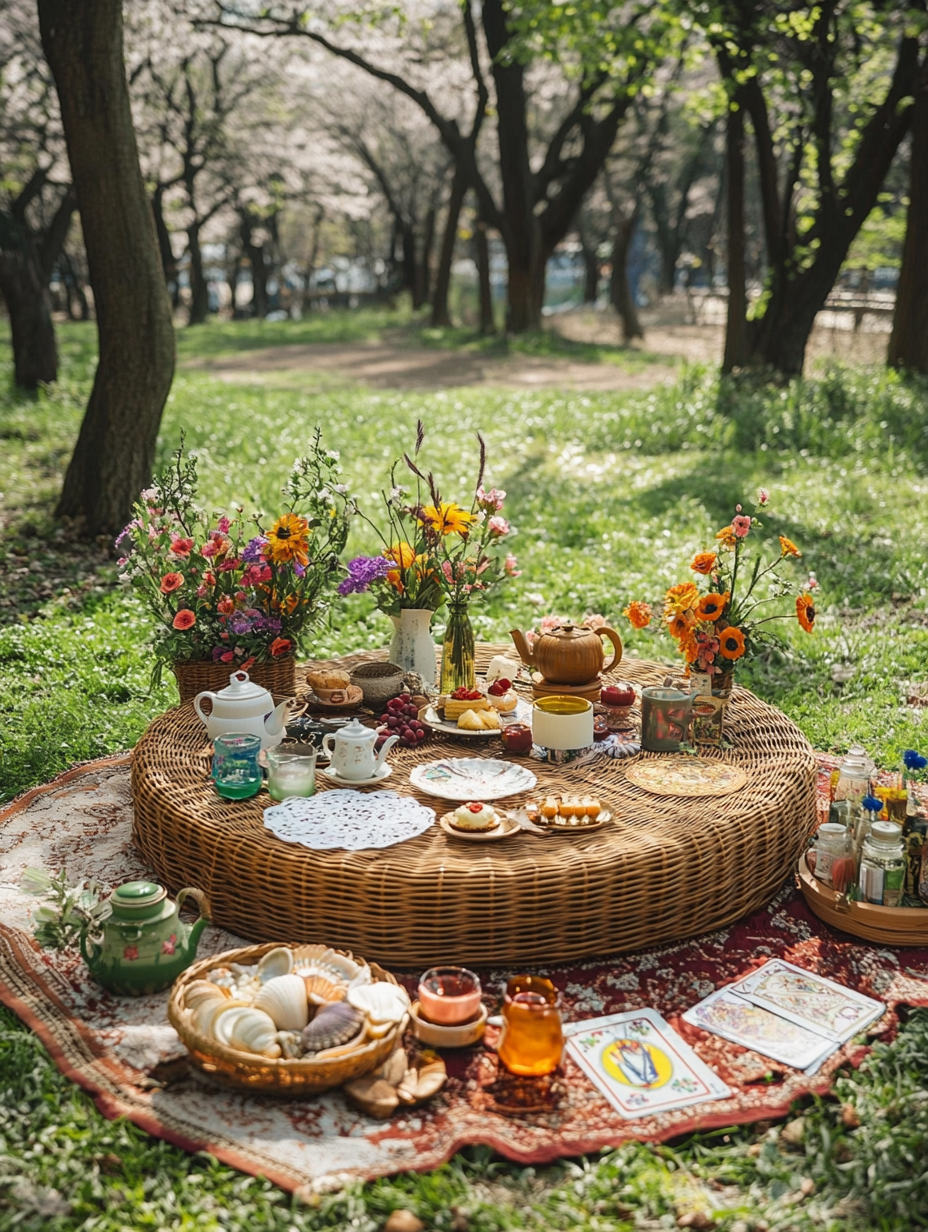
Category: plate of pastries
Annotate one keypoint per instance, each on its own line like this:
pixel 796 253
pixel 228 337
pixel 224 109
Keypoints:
pixel 474 713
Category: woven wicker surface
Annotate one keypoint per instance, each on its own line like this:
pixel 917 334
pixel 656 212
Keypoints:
pixel 278 677
pixel 664 869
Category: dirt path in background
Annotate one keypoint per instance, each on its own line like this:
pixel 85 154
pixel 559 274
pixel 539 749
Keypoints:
pixel 388 364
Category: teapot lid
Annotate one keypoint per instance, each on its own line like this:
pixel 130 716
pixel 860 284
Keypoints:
pixel 570 631
pixel 240 688
pixel 135 899
pixel 355 730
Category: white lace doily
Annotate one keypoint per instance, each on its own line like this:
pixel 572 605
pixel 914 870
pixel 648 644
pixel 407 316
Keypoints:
pixel 349 819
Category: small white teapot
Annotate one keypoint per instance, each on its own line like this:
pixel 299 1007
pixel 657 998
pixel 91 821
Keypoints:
pixel 351 751
pixel 243 707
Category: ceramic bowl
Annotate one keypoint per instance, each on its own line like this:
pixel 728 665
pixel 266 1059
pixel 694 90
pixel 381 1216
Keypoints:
pixel 378 682
pixel 462 1035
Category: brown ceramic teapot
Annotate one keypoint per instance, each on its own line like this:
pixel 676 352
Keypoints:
pixel 571 655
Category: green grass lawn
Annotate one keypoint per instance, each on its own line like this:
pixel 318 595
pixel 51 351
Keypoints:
pixel 610 495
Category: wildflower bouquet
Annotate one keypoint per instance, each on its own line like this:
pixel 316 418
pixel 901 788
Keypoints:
pixel 433 550
pixel 717 627
pixel 225 589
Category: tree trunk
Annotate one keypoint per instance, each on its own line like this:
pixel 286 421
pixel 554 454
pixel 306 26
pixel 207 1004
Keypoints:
pixel 590 274
pixel 620 293
pixel 908 343
pixel 736 324
pixel 25 290
pixel 199 292
pixel 440 312
pixel 114 454
pixel 425 260
pixel 485 290
pixel 168 261
pixel 411 280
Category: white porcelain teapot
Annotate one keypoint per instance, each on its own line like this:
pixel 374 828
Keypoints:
pixel 245 707
pixel 352 751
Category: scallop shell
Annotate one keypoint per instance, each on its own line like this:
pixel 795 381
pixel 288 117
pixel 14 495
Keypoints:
pixel 275 963
pixel 247 1028
pixel 382 1003
pixel 333 1024
pixel 203 990
pixel 320 990
pixel 322 960
pixel 284 999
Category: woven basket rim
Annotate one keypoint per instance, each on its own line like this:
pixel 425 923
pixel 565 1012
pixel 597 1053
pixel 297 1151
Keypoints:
pixel 251 1061
pixel 376 671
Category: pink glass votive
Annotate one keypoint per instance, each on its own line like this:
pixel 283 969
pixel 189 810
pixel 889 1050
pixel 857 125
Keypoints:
pixel 449 995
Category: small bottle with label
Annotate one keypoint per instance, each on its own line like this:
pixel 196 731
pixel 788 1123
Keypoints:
pixel 882 865
pixel 831 843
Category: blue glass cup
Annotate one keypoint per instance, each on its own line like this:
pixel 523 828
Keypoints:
pixel 236 772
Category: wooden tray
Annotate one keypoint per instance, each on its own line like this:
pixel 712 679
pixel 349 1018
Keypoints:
pixel 887 925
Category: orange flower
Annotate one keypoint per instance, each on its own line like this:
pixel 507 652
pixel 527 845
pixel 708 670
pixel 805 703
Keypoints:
pixel 402 553
pixel 788 548
pixel 731 643
pixel 805 612
pixel 288 540
pixel 704 562
pixel 638 613
pixel 170 582
pixel 680 624
pixel 711 607
pixel 726 537
pixel 281 646
pixel 689 648
pixel 184 619
pixel 396 581
pixel 681 598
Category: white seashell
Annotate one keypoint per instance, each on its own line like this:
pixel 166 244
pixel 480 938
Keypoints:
pixel 275 963
pixel 406 1089
pixel 203 990
pixel 284 999
pixel 320 990
pixel 222 976
pixel 334 1024
pixel 321 960
pixel 291 1044
pixel 254 1031
pixel 204 1015
pixel 381 1002
pixel 218 1017
pixel 431 1080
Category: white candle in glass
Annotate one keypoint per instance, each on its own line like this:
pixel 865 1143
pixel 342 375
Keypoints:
pixel 291 773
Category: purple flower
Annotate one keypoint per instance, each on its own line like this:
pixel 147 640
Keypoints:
pixel 240 622
pixel 252 552
pixel 299 569
pixel 266 624
pixel 124 541
pixel 362 572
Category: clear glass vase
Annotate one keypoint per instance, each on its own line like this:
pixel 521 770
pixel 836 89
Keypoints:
pixel 457 652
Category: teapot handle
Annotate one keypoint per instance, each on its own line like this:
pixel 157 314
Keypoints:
pixel 198 897
pixel 617 647
pixel 204 718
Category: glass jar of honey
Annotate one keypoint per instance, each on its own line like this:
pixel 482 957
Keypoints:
pixel 532 1039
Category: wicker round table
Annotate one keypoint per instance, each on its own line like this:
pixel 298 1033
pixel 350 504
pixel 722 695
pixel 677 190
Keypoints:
pixel 662 870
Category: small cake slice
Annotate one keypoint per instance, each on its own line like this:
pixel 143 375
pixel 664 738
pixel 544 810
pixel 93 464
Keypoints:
pixel 502 696
pixel 463 699
pixel 470 720
pixel 474 816
pixel 489 720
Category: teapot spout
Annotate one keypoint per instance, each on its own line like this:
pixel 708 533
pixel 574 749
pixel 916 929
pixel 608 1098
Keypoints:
pixel 274 723
pixel 522 646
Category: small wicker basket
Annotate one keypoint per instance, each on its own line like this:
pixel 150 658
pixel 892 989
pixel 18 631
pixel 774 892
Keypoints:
pixel 378 682
pixel 246 1071
pixel 884 925
pixel 278 677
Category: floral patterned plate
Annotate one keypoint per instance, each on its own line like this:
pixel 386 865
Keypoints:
pixel 472 778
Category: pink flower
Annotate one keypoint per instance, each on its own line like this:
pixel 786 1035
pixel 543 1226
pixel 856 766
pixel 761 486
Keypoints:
pixel 169 946
pixel 185 619
pixel 181 547
pixel 741 525
pixel 595 621
pixel 130 953
pixel 547 623
pixel 762 496
pixel 201 591
pixel 447 571
pixel 225 606
pixel 490 500
pixel 812 583
pixel 149 495
pixel 510 566
pixel 227 656
pixel 227 566
pixel 224 525
pixel 498 526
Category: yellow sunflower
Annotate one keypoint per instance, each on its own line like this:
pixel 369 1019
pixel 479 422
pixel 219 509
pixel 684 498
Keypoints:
pixel 402 553
pixel 788 548
pixel 288 540
pixel 448 518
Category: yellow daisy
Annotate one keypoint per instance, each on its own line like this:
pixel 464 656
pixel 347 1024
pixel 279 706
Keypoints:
pixel 288 540
pixel 448 518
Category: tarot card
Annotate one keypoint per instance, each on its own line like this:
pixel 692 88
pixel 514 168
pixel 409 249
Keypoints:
pixel 737 1019
pixel 809 1000
pixel 640 1063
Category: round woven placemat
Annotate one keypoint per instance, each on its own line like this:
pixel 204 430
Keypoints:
pixel 661 870
pixel 685 776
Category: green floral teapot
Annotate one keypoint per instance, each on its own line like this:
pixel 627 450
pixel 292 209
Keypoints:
pixel 144 945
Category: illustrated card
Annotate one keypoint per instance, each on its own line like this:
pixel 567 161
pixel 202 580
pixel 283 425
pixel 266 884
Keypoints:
pixel 640 1063
pixel 739 1020
pixel 811 1001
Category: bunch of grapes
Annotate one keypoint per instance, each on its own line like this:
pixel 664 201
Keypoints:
pixel 402 719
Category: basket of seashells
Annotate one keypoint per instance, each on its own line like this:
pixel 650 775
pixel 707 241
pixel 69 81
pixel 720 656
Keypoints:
pixel 287 1020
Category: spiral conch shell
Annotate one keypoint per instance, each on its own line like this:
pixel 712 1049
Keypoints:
pixel 284 999
pixel 242 1026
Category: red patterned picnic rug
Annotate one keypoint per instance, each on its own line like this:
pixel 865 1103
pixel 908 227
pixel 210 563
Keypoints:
pixel 125 1053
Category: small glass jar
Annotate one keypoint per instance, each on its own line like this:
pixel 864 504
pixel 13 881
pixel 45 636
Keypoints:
pixel 854 775
pixel 236 772
pixel 517 738
pixel 882 865
pixel 831 843
pixel 291 771
pixel 449 996
pixel 532 1040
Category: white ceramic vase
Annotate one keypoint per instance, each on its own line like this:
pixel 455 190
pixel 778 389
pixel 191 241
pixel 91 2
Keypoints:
pixel 412 647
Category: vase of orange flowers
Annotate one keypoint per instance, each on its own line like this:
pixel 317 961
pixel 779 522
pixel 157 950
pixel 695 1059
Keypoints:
pixel 233 593
pixel 722 615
